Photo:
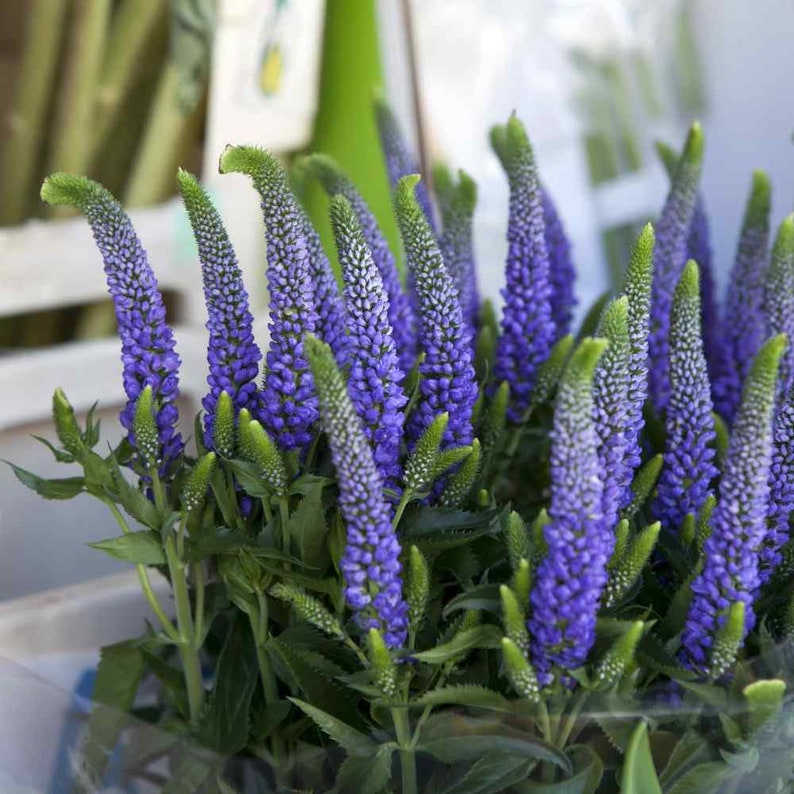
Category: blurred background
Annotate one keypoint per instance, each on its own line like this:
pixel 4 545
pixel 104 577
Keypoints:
pixel 127 90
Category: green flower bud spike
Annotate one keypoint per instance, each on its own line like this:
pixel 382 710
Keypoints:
pixel 623 576
pixel 308 608
pixel 258 448
pixel 522 581
pixel 727 641
pixel 223 432
pixel 620 657
pixel 417 589
pixel 516 539
pixel 514 620
pixel 421 466
pixel 147 440
pixel 550 370
pixel 69 433
pixel 449 458
pixel 703 522
pixel 460 483
pixel 383 667
pixel 643 484
pixel 621 543
pixel 196 486
pixel 520 672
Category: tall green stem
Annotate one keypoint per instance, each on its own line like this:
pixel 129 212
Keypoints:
pixel 402 728
pixel 187 647
pixel 32 99
pixel 404 500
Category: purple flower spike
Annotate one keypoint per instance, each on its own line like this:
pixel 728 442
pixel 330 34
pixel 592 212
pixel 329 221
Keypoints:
pixel 738 523
pixel 147 343
pixel 289 402
pixel 610 390
pixel 375 375
pixel 328 302
pixel 743 328
pixel 447 375
pixel 457 202
pixel 779 298
pixel 570 579
pixel 637 289
pixel 401 313
pixel 232 353
pixel 400 160
pixel 527 325
pixel 371 562
pixel 689 454
pixel 562 273
pixel 669 259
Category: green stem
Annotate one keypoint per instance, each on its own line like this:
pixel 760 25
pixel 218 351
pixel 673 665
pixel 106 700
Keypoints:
pixel 347 639
pixel 32 98
pixel 402 728
pixel 158 491
pixel 198 582
pixel 187 648
pixel 143 577
pixel 569 723
pixel 398 513
pixel 283 507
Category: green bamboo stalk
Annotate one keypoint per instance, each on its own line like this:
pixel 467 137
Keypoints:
pixel 168 127
pixel 34 88
pixel 134 25
pixel 75 115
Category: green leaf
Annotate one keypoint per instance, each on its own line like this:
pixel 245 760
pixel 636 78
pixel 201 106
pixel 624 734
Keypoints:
pixel 172 680
pixel 473 746
pixel 347 737
pixel 434 529
pixel 250 479
pixel 689 751
pixel 214 542
pixel 464 695
pixel 493 773
pixel 139 548
pixel 638 774
pixel 366 774
pixel 190 773
pixel 702 779
pixel 223 725
pixel 132 500
pixel 119 674
pixel 486 636
pixel 482 597
pixel 588 769
pixel 66 488
pixel 308 530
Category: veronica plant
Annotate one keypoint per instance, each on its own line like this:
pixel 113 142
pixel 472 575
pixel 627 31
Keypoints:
pixel 414 560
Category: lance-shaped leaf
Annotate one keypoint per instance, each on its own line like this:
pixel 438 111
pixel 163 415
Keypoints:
pixel 447 375
pixel 528 328
pixel 289 402
pixel 738 524
pixel 669 258
pixel 744 326
pixel 689 444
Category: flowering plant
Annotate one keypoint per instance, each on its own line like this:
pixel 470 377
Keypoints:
pixel 436 552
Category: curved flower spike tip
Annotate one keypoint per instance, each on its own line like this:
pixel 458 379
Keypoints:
pixel 457 200
pixel 779 297
pixel 698 247
pixel 669 259
pixel 400 159
pixel 637 288
pixel 447 375
pixel 744 326
pixel 562 620
pixel 147 342
pixel 371 561
pixel 738 523
pixel 528 328
pixel 289 403
pixel 232 354
pixel 610 387
pixel 401 313
pixel 375 375
pixel 689 445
